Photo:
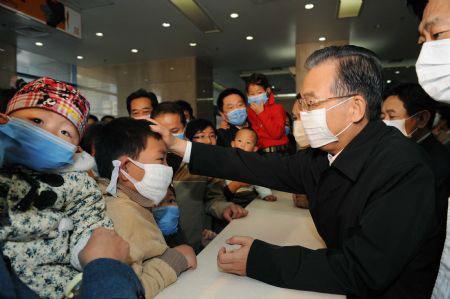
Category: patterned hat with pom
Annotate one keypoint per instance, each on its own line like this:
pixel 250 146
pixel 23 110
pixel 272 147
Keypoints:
pixel 53 95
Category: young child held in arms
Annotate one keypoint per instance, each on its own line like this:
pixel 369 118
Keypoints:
pixel 134 157
pixel 242 193
pixel 51 209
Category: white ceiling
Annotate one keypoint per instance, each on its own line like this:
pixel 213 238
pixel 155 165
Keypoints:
pixel 385 26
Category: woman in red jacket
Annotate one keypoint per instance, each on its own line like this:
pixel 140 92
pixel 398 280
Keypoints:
pixel 266 118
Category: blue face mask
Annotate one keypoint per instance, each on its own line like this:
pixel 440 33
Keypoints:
pixel 237 117
pixel 22 143
pixel 181 135
pixel 167 219
pixel 261 98
pixel 287 130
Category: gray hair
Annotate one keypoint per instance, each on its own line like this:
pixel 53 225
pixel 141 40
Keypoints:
pixel 359 71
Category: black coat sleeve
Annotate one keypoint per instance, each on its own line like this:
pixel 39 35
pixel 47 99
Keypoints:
pixel 272 171
pixel 396 222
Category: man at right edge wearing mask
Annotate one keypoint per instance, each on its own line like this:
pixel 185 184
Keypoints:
pixel 433 72
pixel 366 196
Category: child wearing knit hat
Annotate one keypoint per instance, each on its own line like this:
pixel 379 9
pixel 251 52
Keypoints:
pixel 50 208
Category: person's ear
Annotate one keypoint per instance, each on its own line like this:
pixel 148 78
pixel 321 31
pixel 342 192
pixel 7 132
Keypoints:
pixel 124 164
pixel 358 109
pixel 232 143
pixel 422 119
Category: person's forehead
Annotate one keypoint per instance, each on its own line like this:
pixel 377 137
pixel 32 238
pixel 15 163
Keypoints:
pixel 232 99
pixel 246 134
pixel 319 79
pixel 142 101
pixel 436 12
pixel 393 103
pixel 173 118
pixel 154 145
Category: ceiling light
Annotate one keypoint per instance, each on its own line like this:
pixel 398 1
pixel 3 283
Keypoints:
pixel 172 68
pixel 322 38
pixel 39 44
pixel 134 50
pixel 234 15
pixel 397 72
pixel 80 57
pixel 389 81
pixel 99 34
pixel 349 8
pixel 2 50
pixel 249 37
pixel 193 44
pixel 166 25
pixel 309 6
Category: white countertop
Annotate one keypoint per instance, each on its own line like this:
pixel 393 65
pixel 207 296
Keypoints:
pixel 275 222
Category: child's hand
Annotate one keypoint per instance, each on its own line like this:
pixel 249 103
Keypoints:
pixel 189 254
pixel 258 108
pixel 234 212
pixel 208 234
pixel 3 119
pixel 270 198
pixel 300 201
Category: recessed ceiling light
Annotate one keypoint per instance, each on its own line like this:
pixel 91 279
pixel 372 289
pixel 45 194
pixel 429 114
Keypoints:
pixel 234 15
pixel 99 34
pixel 39 44
pixel 166 25
pixel 193 44
pixel 172 68
pixel 309 6
pixel 322 38
pixel 80 57
pixel 249 37
pixel 397 72
pixel 134 50
pixel 388 81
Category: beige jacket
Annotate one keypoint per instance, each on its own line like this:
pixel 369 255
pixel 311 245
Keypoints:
pixel 156 265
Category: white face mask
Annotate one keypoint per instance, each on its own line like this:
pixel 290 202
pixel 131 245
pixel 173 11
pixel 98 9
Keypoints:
pixel 316 127
pixel 400 124
pixel 433 69
pixel 300 135
pixel 154 184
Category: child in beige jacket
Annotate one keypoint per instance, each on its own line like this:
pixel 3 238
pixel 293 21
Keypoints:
pixel 134 157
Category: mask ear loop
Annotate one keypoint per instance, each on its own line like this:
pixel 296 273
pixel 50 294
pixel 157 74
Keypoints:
pixel 138 164
pixel 112 187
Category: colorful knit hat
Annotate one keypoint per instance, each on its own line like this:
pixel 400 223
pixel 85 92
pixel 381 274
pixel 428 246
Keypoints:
pixel 56 96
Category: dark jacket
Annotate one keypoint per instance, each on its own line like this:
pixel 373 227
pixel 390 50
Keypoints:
pixel 440 163
pixel 102 278
pixel 374 207
pixel 225 136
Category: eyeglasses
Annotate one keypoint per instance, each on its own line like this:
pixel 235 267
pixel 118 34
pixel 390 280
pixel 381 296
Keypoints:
pixel 312 104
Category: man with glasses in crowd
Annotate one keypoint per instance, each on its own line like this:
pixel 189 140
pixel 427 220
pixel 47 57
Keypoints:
pixel 369 200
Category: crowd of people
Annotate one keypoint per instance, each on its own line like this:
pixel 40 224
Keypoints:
pixel 121 206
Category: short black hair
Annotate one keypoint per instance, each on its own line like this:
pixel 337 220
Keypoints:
pixel 93 117
pixel 169 108
pixel 141 93
pixel 104 118
pixel 247 129
pixel 186 107
pixel 257 79
pixel 228 92
pixel 122 136
pixel 358 71
pixel 88 140
pixel 414 99
pixel 197 125
pixel 417 6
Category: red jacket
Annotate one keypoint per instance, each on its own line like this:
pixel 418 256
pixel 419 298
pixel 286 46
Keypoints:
pixel 269 124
